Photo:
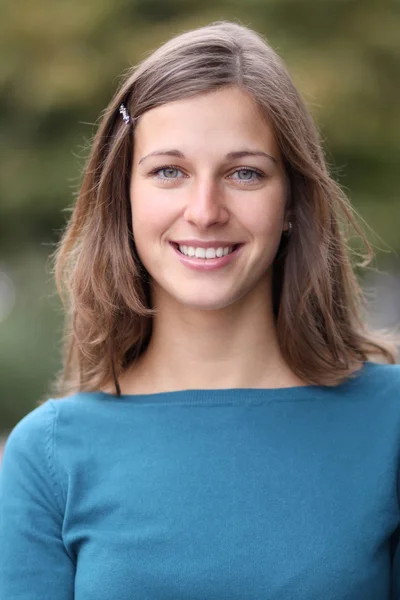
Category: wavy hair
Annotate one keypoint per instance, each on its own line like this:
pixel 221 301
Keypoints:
pixel 317 301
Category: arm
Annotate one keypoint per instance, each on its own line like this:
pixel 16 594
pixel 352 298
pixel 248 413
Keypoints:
pixel 33 560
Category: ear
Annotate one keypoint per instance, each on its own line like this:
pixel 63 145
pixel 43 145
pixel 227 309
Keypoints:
pixel 288 217
pixel 288 214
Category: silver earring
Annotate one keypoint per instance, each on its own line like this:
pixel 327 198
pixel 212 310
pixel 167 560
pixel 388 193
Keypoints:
pixel 288 231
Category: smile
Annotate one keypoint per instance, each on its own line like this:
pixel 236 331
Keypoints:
pixel 206 259
pixel 206 252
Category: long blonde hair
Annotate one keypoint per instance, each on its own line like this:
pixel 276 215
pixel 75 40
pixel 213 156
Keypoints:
pixel 318 303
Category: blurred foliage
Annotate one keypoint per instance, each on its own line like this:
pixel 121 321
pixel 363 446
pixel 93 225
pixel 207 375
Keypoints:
pixel 60 62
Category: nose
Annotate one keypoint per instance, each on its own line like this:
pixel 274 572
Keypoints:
pixel 205 206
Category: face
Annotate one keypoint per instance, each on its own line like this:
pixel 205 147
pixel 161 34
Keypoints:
pixel 207 172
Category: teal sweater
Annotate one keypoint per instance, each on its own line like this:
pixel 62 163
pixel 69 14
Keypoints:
pixel 232 494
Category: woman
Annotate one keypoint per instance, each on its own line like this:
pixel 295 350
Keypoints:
pixel 221 428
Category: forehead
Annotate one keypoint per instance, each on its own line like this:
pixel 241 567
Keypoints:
pixel 225 117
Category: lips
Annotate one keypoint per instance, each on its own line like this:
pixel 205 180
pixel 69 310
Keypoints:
pixel 206 264
pixel 232 245
pixel 201 244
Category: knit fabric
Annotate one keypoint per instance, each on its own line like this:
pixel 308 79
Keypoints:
pixel 232 494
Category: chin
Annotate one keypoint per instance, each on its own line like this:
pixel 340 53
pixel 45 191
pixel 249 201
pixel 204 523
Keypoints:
pixel 203 301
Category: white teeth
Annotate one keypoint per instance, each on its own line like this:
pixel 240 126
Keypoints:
pixel 205 253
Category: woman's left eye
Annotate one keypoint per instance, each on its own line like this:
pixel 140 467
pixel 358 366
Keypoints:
pixel 251 172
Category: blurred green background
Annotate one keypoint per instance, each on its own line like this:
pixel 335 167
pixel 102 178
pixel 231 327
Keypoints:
pixel 60 63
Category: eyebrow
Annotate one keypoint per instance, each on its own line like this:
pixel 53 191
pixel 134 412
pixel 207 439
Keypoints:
pixel 229 156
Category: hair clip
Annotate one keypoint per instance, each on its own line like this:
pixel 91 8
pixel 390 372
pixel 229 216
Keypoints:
pixel 125 115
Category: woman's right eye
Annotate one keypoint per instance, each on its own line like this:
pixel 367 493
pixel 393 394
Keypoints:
pixel 169 172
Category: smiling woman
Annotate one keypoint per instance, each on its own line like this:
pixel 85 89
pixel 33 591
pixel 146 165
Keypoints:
pixel 220 428
pixel 208 204
pixel 208 140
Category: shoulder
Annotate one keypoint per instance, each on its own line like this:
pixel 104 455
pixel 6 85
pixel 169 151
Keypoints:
pixel 377 387
pixel 40 444
pixel 36 430
pixel 380 376
pixel 27 463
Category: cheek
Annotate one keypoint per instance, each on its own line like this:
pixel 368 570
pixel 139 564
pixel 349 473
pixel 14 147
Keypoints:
pixel 151 219
pixel 151 216
pixel 265 219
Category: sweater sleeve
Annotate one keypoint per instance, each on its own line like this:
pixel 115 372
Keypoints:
pixel 34 562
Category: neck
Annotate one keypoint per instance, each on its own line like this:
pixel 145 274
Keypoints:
pixel 233 347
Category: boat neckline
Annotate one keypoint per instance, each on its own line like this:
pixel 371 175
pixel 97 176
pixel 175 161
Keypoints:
pixel 234 393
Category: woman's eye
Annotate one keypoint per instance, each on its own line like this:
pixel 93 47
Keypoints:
pixel 247 174
pixel 169 173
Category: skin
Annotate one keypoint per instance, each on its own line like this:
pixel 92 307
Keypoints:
pixel 213 329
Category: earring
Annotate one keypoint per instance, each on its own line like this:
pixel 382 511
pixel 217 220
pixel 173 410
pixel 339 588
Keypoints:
pixel 288 231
